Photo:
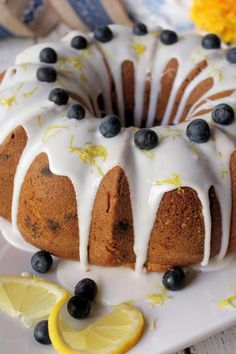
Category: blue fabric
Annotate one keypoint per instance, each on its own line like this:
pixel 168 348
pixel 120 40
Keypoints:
pixel 31 11
pixel 91 12
pixel 4 32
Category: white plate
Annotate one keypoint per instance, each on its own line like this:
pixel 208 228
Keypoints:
pixel 190 316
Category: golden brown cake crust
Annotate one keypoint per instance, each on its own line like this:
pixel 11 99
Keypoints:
pixel 10 153
pixel 47 215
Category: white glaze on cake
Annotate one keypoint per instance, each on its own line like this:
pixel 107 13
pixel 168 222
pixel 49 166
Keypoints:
pixel 174 163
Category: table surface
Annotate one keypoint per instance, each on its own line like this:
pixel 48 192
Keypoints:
pixel 222 343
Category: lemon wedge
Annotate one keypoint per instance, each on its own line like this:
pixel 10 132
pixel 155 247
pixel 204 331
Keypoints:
pixel 112 333
pixel 29 299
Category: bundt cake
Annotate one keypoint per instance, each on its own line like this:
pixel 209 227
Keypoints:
pixel 118 147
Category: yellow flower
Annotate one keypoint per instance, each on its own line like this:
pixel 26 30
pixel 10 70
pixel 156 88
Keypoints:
pixel 216 16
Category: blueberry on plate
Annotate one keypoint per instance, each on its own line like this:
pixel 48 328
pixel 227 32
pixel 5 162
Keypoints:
pixel 76 111
pixel 174 279
pixel 78 307
pixel 42 261
pixel 59 96
pixel 110 126
pixel 140 29
pixel 46 74
pixel 79 42
pixel 231 55
pixel 211 41
pixel 168 37
pixel 86 288
pixel 223 114
pixel 146 139
pixel 103 34
pixel 198 131
pixel 48 55
pixel 41 334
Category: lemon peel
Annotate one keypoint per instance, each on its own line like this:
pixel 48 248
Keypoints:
pixel 29 298
pixel 89 154
pixel 113 333
pixel 174 180
pixel 228 303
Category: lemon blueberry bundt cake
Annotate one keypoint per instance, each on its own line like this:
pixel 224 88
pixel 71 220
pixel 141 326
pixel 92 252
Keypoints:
pixel 118 147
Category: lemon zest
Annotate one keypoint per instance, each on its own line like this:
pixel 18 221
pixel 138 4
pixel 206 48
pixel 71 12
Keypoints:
pixel 89 154
pixel 52 130
pixel 198 152
pixel 29 93
pixel 223 173
pixel 153 324
pixel 139 49
pixel 228 303
pixel 175 180
pixel 40 120
pixel 160 298
pixel 8 102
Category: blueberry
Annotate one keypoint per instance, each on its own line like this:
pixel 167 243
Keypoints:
pixel 231 55
pixel 223 114
pixel 59 96
pixel 110 126
pixel 48 55
pixel 103 34
pixel 174 279
pixel 140 29
pixel 198 131
pixel 41 261
pixel 76 111
pixel 146 139
pixel 46 74
pixel 211 41
pixel 78 307
pixel 79 42
pixel 41 334
pixel 168 37
pixel 86 288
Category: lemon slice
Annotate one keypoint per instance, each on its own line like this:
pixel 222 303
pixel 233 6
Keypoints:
pixel 113 333
pixel 29 299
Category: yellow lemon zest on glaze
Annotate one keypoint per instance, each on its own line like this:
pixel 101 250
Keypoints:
pixel 153 324
pixel 230 303
pixel 89 154
pixel 216 72
pixel 29 93
pixel 149 154
pixel 160 298
pixel 175 180
pixel 8 102
pixel 18 88
pixel 76 61
pixel 53 130
pixel 173 137
pixel 199 54
pixel 40 120
pixel 216 16
pixel 138 48
pixel 108 53
pixel 223 173
pixel 198 152
pixel 220 154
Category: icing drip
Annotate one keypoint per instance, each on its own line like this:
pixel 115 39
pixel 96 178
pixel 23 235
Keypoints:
pixel 77 149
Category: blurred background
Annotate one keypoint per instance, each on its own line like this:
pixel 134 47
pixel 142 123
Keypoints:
pixel 25 22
